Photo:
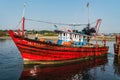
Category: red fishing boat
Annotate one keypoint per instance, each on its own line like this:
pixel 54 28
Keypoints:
pixel 65 50
pixel 71 46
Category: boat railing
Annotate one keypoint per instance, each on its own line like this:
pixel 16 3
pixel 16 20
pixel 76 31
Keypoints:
pixel 58 42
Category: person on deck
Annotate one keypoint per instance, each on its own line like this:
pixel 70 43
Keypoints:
pixel 88 39
pixel 26 35
pixel 104 40
pixel 36 35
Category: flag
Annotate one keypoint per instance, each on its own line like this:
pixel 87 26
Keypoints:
pixel 88 4
pixel 69 30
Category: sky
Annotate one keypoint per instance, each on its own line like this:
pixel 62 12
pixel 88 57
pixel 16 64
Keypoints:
pixel 60 11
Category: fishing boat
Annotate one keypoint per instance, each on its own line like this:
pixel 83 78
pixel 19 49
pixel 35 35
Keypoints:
pixel 70 46
pixel 64 50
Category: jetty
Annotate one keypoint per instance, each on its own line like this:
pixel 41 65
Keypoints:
pixel 117 45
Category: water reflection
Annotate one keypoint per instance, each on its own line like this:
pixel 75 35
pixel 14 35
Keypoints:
pixel 74 71
pixel 117 64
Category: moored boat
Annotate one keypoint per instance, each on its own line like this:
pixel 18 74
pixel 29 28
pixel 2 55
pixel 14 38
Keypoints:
pixel 56 53
pixel 71 46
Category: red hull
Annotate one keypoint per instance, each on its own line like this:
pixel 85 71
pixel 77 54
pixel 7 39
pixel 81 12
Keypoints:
pixel 42 51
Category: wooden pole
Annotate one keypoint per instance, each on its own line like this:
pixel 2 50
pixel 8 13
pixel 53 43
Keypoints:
pixel 23 25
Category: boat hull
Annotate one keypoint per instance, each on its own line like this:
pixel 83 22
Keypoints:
pixel 46 53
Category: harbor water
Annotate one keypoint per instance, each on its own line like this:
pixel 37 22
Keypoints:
pixel 12 68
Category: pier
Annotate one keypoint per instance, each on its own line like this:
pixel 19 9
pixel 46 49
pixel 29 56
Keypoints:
pixel 117 45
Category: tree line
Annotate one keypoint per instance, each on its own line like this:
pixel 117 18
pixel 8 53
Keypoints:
pixel 43 32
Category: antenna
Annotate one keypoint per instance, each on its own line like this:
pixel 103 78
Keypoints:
pixel 88 15
pixel 24 5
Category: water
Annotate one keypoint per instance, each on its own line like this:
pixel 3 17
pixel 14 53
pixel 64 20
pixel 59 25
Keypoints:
pixel 12 68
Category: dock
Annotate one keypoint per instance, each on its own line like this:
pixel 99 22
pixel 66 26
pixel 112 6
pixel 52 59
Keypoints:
pixel 117 46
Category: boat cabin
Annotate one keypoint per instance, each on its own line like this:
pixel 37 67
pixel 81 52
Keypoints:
pixel 69 37
pixel 75 38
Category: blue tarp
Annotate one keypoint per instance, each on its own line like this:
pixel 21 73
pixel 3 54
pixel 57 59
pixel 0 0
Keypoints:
pixel 59 42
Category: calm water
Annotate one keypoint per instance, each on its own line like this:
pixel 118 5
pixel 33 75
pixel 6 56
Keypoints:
pixel 11 67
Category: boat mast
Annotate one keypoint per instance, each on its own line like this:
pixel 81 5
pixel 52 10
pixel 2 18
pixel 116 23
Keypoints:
pixel 23 21
pixel 23 24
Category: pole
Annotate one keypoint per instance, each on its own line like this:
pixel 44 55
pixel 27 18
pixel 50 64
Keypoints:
pixel 23 21
pixel 88 15
pixel 23 25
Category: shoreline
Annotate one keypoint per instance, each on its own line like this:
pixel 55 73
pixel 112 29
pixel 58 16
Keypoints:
pixel 108 38
pixel 5 37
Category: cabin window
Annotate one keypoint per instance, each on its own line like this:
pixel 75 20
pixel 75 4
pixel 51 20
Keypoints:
pixel 64 34
pixel 75 35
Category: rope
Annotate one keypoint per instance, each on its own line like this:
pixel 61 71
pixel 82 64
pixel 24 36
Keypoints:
pixel 56 23
pixel 18 23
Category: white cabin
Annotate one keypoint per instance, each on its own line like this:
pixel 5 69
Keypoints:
pixel 69 37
